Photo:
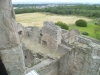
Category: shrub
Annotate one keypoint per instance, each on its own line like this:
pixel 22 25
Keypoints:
pixel 85 33
pixel 62 25
pixel 81 23
pixel 97 33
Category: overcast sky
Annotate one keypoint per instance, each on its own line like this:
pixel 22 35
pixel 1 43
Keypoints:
pixel 56 1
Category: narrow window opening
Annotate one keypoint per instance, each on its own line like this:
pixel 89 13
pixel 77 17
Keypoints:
pixel 41 35
pixel 25 57
pixel 20 32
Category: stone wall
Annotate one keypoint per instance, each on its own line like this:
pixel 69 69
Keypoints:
pixel 8 27
pixel 51 69
pixel 92 39
pixel 63 49
pixel 51 35
pixel 33 33
pixel 11 52
pixel 71 36
pixel 32 59
pixel 21 31
pixel 46 67
pixel 13 60
pixel 28 58
pixel 83 59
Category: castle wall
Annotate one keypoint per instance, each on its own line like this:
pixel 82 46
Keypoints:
pixel 21 31
pixel 46 67
pixel 51 69
pixel 83 59
pixel 28 58
pixel 11 52
pixel 8 29
pixel 33 33
pixel 62 49
pixel 51 35
pixel 32 59
pixel 92 39
pixel 13 60
pixel 70 36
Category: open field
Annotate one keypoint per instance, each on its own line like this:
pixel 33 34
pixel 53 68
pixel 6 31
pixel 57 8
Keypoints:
pixel 90 28
pixel 37 19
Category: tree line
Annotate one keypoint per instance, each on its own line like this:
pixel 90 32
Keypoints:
pixel 28 5
pixel 79 9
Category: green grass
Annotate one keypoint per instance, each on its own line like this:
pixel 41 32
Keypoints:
pixel 90 28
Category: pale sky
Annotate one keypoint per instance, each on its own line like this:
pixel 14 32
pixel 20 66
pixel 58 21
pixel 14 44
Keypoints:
pixel 56 1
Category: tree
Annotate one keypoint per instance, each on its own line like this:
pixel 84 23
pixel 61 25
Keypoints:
pixel 62 25
pixel 81 23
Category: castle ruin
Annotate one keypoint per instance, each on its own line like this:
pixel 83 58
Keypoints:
pixel 49 51
pixel 11 53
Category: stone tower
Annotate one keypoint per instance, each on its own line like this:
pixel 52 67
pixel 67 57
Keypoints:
pixel 51 35
pixel 11 52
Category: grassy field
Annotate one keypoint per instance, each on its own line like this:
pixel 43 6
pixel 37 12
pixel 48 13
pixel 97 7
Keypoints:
pixel 90 28
pixel 37 19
